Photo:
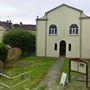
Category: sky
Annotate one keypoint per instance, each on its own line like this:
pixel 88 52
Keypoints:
pixel 26 11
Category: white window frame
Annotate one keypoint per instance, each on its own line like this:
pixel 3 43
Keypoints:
pixel 73 29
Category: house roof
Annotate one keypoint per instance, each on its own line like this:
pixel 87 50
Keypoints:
pixel 88 17
pixel 3 29
pixel 64 5
pixel 7 25
pixel 28 26
pixel 25 26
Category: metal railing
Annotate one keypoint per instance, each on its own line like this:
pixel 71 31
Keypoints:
pixel 14 81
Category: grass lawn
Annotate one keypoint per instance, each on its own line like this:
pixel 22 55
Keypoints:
pixel 37 66
pixel 74 84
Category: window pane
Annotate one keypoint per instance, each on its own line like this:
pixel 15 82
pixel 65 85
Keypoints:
pixel 73 29
pixel 55 46
pixel 77 31
pixel 70 31
pixel 49 31
pixel 53 29
pixel 69 47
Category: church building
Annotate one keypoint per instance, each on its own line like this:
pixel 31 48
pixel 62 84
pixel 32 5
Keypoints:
pixel 63 31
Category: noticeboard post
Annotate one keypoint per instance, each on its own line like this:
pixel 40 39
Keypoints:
pixel 79 66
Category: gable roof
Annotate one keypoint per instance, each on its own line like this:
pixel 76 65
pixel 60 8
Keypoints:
pixel 66 6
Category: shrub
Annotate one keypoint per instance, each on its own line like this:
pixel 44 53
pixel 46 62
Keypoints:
pixel 3 52
pixel 20 38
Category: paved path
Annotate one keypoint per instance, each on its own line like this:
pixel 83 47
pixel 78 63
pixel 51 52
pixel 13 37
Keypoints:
pixel 49 80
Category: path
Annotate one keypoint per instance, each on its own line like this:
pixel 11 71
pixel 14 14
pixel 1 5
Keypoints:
pixel 49 80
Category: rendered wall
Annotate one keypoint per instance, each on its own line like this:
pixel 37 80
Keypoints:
pixel 63 17
pixel 85 38
pixel 40 36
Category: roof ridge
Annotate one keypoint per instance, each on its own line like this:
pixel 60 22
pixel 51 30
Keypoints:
pixel 66 6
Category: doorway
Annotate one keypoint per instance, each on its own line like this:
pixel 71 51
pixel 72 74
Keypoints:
pixel 62 48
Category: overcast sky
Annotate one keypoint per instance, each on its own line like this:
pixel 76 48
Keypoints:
pixel 26 11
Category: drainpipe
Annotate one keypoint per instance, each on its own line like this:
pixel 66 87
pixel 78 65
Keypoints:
pixel 80 35
pixel 36 34
pixel 46 37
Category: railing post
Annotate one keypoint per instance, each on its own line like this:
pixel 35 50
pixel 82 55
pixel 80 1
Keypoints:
pixel 11 82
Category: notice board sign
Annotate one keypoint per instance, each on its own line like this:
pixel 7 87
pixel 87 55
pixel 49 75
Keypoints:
pixel 82 67
pixel 63 79
pixel 74 66
pixel 79 66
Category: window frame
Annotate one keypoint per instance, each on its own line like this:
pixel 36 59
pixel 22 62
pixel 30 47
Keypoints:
pixel 73 29
pixel 52 29
pixel 69 47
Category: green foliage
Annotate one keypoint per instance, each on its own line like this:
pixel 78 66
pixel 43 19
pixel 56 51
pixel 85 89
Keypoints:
pixel 20 38
pixel 3 52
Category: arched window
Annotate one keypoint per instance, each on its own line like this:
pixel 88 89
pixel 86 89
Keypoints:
pixel 53 29
pixel 73 29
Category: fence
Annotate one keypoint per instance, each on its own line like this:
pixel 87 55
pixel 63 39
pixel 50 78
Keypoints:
pixel 11 81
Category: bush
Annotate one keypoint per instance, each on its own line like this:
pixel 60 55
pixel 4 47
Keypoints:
pixel 20 38
pixel 3 52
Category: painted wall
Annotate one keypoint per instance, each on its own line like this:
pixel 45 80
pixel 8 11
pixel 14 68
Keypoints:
pixel 63 17
pixel 40 34
pixel 85 38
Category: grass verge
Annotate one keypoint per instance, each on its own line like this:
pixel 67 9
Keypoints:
pixel 37 66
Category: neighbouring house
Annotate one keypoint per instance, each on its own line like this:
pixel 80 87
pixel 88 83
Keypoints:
pixel 63 31
pixel 6 24
pixel 29 27
pixel 4 27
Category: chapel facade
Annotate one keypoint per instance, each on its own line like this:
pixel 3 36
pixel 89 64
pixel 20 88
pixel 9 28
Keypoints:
pixel 63 31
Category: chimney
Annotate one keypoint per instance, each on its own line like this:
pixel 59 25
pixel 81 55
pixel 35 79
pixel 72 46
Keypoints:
pixel 20 23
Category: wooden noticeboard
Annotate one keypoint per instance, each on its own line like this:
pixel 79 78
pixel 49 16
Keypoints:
pixel 79 66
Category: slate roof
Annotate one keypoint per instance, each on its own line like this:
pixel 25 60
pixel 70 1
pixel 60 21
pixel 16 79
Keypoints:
pixel 7 25
pixel 28 27
pixel 25 26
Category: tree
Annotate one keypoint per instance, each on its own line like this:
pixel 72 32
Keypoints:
pixel 20 38
pixel 3 52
